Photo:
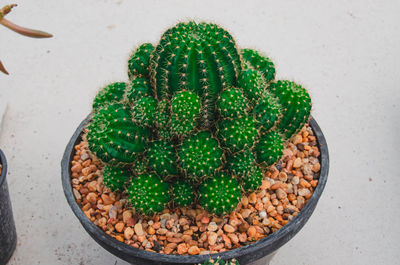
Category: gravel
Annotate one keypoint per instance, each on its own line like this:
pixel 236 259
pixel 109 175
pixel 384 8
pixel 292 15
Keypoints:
pixel 285 190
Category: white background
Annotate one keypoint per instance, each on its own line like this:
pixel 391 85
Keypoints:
pixel 345 52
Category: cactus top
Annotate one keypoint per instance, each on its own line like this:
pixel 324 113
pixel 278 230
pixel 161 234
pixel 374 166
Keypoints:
pixel 201 58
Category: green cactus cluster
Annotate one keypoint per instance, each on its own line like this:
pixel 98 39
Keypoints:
pixel 198 122
pixel 219 261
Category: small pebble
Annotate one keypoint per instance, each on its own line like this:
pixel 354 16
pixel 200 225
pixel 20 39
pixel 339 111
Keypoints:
pixel 139 229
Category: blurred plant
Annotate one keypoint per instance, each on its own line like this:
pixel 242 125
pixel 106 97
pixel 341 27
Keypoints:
pixel 21 30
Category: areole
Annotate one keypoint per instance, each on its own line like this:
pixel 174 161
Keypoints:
pixel 257 253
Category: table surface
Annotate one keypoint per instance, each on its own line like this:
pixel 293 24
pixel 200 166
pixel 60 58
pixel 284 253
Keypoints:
pixel 345 52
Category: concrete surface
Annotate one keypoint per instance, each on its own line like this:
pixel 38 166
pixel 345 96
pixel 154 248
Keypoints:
pixel 345 52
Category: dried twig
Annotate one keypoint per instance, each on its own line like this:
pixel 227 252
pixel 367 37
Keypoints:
pixel 3 69
pixel 25 31
pixel 21 30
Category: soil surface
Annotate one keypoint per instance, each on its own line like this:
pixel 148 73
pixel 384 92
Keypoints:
pixel 286 188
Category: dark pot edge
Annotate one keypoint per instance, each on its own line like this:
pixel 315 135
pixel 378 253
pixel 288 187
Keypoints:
pixel 3 176
pixel 262 246
pixel 3 162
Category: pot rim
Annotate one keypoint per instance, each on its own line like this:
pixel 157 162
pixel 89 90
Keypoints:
pixel 278 237
pixel 3 162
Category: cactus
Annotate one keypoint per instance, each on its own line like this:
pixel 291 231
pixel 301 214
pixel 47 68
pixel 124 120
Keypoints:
pixel 219 261
pixel 139 88
pixel 241 163
pixel 162 158
pixel 200 155
pixel 182 193
pixel 264 65
pixel 201 58
pixel 237 134
pixel 139 61
pixel 232 103
pixel 140 166
pixel 149 194
pixel 115 177
pixel 195 109
pixel 267 112
pixel 252 179
pixel 296 106
pixel 113 137
pixel 144 111
pixel 253 85
pixel 269 148
pixel 111 93
pixel 219 194
pixel 185 108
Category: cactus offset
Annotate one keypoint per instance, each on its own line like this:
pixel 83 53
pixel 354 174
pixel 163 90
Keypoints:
pixel 252 179
pixel 115 177
pixel 253 85
pixel 140 166
pixel 232 103
pixel 162 158
pixel 267 112
pixel 139 61
pixel 240 163
pixel 269 148
pixel 140 87
pixel 144 111
pixel 201 58
pixel 200 155
pixel 149 194
pixel 219 261
pixel 237 134
pixel 113 137
pixel 255 60
pixel 219 194
pixel 185 108
pixel 111 93
pixel 296 106
pixel 182 193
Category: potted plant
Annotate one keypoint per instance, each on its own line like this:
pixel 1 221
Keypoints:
pixel 202 154
pixel 8 234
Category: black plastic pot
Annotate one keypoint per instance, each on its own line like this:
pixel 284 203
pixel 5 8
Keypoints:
pixel 8 234
pixel 258 253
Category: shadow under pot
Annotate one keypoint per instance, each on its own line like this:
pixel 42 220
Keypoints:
pixel 8 234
